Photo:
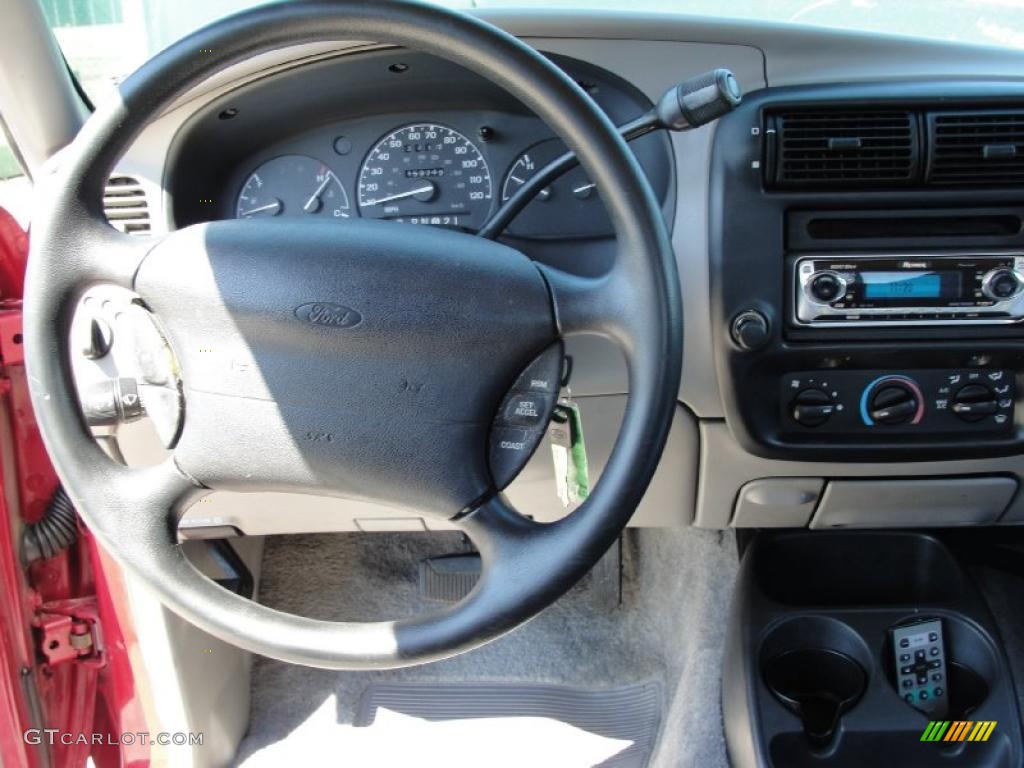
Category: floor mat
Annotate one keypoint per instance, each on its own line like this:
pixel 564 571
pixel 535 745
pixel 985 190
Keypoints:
pixel 627 718
pixel 669 628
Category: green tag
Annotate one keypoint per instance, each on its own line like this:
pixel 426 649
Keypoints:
pixel 569 452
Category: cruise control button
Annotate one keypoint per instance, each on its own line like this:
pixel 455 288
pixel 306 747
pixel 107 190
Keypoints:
pixel 511 448
pixel 528 410
pixel 543 374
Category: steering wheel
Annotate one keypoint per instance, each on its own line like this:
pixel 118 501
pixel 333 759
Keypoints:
pixel 321 401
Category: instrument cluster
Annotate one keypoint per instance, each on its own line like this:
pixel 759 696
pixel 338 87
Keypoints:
pixel 407 138
pixel 421 172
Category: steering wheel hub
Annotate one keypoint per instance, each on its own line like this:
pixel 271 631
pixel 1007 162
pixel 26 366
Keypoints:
pixel 283 392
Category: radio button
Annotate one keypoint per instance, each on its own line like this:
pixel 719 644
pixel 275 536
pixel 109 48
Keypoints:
pixel 1001 284
pixel 826 287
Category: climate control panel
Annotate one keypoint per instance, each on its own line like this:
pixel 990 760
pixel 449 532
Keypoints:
pixel 911 402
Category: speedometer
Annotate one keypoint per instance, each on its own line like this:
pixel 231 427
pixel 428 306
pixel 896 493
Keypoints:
pixel 426 174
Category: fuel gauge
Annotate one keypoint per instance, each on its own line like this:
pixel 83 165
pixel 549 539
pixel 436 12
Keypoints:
pixel 570 207
pixel 292 185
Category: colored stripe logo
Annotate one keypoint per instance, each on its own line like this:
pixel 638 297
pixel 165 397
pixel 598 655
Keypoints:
pixel 958 730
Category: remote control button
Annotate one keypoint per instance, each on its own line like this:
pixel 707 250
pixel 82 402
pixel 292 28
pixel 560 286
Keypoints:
pixel 933 637
pixel 937 677
pixel 904 643
pixel 907 682
pixel 922 679
pixel 923 695
pixel 904 657
pixel 934 664
pixel 934 651
pixel 939 691
pixel 909 698
pixel 907 670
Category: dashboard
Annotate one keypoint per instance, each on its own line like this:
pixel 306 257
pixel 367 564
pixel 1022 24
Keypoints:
pixel 770 428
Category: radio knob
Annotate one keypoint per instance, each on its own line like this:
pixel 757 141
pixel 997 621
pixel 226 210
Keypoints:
pixel 974 402
pixel 1001 284
pixel 826 287
pixel 893 403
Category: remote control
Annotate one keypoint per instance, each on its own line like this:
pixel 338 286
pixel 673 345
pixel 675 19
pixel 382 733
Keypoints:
pixel 920 655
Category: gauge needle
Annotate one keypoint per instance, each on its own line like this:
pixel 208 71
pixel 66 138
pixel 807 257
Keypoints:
pixel 582 191
pixel 402 195
pixel 310 205
pixel 274 206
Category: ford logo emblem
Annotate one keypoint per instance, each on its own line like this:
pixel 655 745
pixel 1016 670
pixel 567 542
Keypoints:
pixel 330 315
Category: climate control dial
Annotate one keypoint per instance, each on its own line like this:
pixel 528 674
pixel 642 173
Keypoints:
pixel 974 402
pixel 892 400
pixel 812 407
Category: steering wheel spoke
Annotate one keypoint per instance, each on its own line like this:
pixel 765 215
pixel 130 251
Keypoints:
pixel 591 304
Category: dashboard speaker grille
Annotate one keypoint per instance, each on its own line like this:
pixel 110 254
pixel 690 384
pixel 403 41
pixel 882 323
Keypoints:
pixel 846 148
pixel 125 205
pixel 976 147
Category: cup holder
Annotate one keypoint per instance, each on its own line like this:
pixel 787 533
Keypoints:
pixel 818 668
pixel 819 686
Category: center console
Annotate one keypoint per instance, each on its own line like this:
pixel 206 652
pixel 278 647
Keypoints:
pixel 864 648
pixel 867 271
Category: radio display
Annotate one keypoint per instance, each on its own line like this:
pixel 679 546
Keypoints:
pixel 902 285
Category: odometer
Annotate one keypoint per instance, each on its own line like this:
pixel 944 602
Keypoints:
pixel 426 174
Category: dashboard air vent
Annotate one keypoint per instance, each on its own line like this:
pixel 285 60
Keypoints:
pixel 846 148
pixel 125 206
pixel 976 147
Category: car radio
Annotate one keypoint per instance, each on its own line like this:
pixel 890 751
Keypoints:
pixel 909 288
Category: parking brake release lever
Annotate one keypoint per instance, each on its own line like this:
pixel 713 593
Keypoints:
pixel 683 107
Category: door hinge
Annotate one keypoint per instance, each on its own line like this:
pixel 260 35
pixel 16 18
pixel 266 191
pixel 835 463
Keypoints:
pixel 69 630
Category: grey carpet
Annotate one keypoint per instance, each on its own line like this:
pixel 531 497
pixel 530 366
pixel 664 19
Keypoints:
pixel 670 628
pixel 629 714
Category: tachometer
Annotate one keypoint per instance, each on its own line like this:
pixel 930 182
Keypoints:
pixel 426 174
pixel 292 185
